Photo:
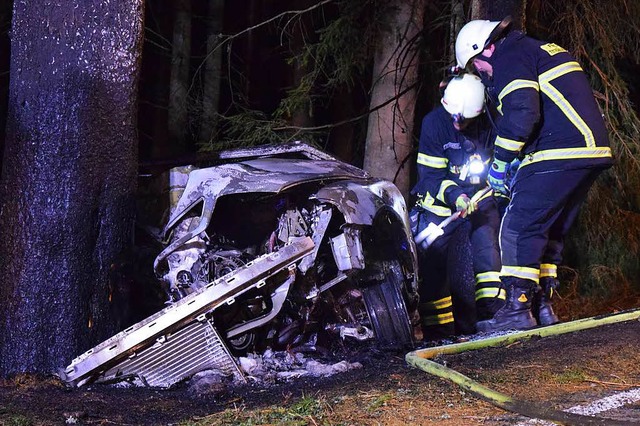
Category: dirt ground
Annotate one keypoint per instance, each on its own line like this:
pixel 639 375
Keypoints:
pixel 560 371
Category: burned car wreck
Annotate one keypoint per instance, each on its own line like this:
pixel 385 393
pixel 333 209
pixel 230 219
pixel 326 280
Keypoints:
pixel 282 247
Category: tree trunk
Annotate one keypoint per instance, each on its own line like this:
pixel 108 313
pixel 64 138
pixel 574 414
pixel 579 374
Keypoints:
pixel 496 10
pixel 5 20
pixel 213 72
pixel 456 22
pixel 179 83
pixel 389 146
pixel 69 178
pixel 301 117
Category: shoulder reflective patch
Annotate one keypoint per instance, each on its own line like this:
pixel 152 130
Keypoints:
pixel 552 48
pixel 451 145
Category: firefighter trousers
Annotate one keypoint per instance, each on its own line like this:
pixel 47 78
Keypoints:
pixel 443 310
pixel 544 204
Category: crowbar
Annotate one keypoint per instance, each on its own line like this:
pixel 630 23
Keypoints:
pixel 429 234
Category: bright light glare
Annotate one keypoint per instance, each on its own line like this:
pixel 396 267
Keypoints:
pixel 476 166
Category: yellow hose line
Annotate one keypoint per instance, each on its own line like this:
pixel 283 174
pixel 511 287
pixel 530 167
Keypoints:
pixel 421 359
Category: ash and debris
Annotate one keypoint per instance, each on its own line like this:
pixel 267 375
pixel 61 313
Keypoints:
pixel 269 368
pixel 272 366
pixel 265 369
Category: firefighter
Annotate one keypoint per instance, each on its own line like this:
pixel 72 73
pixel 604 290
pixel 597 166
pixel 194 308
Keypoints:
pixel 455 149
pixel 549 118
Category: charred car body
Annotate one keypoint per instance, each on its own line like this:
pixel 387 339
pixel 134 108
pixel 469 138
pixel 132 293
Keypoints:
pixel 280 246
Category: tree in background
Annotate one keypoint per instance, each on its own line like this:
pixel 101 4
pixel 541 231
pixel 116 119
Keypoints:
pixel 69 178
pixel 496 10
pixel 179 81
pixel 5 26
pixel 389 146
pixel 212 74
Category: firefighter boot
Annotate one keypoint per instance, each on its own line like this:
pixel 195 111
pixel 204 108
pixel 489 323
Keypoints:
pixel 516 313
pixel 544 311
pixel 487 307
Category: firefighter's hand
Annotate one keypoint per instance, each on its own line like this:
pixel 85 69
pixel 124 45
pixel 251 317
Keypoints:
pixel 497 173
pixel 465 205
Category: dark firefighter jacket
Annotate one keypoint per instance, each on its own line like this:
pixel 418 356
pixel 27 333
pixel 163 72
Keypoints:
pixel 548 113
pixel 442 155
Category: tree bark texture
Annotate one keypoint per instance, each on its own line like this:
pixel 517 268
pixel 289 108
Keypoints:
pixel 68 184
pixel 213 73
pixel 496 10
pixel 5 19
pixel 179 83
pixel 456 22
pixel 389 150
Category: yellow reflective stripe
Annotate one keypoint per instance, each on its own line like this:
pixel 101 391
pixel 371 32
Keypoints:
pixel 485 277
pixel 515 85
pixel 566 154
pixel 489 194
pixel 443 303
pixel 548 270
pixel 439 210
pixel 554 94
pixel 438 319
pixel 559 71
pixel 521 272
pixel 490 293
pixel 427 203
pixel 443 187
pixel 433 162
pixel 509 144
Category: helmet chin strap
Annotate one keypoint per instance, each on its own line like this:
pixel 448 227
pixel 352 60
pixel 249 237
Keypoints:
pixel 484 75
pixel 484 58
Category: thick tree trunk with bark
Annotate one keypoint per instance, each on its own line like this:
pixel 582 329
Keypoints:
pixel 389 146
pixel 179 83
pixel 212 74
pixel 496 10
pixel 456 22
pixel 69 178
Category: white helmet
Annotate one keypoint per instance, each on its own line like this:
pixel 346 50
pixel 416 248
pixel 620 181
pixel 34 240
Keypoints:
pixel 464 96
pixel 471 40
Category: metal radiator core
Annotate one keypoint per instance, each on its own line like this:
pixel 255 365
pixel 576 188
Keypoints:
pixel 194 348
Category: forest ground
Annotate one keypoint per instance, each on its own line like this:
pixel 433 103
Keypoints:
pixel 561 371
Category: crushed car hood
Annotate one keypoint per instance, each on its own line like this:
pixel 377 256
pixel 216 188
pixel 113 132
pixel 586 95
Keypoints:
pixel 258 175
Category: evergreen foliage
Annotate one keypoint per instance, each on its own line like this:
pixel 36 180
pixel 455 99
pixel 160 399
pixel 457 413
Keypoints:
pixel 605 243
pixel 335 55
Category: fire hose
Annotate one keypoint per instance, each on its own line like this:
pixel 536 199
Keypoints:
pixel 421 359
